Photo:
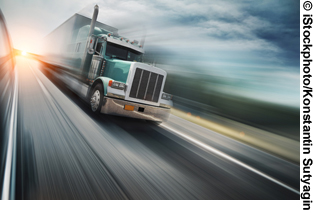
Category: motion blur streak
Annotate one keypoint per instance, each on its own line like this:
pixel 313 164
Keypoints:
pixel 8 107
pixel 221 154
pixel 10 166
pixel 40 84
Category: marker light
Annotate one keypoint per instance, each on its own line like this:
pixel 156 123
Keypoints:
pixel 109 34
pixel 129 107
pixel 110 83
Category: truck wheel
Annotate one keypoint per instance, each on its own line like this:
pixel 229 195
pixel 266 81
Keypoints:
pixel 96 98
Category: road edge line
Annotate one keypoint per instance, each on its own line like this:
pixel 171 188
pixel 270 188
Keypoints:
pixel 225 156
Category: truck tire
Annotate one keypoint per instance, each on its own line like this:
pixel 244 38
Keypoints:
pixel 96 98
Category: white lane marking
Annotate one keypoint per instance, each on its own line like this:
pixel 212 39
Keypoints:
pixel 243 144
pixel 222 154
pixel 11 143
pixel 41 84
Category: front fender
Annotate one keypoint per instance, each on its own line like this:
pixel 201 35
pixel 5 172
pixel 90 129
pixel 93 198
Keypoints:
pixel 104 81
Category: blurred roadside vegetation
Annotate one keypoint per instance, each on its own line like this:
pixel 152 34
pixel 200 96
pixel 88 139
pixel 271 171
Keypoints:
pixel 279 119
pixel 198 92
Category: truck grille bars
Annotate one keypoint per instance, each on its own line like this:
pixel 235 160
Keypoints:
pixel 146 85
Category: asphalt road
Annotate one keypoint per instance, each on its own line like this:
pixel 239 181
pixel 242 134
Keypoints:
pixel 64 151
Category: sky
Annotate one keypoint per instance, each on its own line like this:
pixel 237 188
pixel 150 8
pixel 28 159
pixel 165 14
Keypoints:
pixel 253 42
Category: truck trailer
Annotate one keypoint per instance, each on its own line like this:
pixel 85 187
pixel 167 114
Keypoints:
pixel 106 69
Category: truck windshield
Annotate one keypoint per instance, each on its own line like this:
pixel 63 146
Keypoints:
pixel 123 53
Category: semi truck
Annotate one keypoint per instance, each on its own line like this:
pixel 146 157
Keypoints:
pixel 106 69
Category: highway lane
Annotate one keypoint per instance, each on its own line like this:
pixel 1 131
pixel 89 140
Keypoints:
pixel 67 152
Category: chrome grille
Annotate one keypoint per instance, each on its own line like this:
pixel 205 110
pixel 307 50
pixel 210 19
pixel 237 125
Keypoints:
pixel 146 85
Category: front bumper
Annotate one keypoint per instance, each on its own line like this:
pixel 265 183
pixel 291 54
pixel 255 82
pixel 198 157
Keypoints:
pixel 116 107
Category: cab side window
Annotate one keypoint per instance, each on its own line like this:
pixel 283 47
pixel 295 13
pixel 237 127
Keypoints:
pixel 98 49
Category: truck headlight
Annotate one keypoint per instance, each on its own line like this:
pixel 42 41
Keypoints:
pixel 118 85
pixel 166 96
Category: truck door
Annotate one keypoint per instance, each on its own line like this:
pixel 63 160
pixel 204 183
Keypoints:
pixel 97 64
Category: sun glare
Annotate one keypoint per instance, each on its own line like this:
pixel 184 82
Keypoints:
pixel 23 53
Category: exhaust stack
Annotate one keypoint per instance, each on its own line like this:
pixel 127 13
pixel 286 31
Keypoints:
pixel 89 51
pixel 93 21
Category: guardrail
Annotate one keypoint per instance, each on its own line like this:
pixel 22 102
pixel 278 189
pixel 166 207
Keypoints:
pixel 8 113
pixel 8 188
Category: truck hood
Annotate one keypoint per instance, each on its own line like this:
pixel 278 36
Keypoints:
pixel 117 69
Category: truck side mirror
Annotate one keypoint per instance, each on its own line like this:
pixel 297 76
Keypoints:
pixel 91 51
pixel 91 45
